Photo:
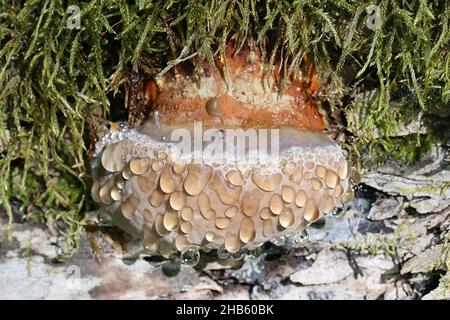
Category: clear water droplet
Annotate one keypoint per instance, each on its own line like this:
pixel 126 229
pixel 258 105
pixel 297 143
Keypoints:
pixel 166 249
pixel 149 247
pixel 120 184
pixel 104 219
pixel 171 268
pixel 319 224
pixel 191 256
pixel 129 260
pixel 339 211
pixel 237 255
pixel 222 253
pixel 301 238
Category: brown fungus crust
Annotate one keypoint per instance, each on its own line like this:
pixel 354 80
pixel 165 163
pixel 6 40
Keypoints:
pixel 176 204
pixel 239 90
pixel 211 206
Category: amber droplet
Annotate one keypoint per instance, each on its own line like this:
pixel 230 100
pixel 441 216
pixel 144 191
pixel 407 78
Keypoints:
pixel 139 166
pixel 287 218
pixel 177 200
pixel 288 194
pixel 231 212
pixel 321 171
pixel 222 223
pixel 247 230
pixel 250 203
pixel 267 182
pixel 265 214
pixel 129 206
pixel 197 178
pixel 332 179
pixel 276 204
pixel 171 220
pixel 214 107
pixel 187 213
pixel 311 212
pixel 232 243
pixel 235 178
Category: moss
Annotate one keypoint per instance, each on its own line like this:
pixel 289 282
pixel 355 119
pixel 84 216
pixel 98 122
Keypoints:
pixel 55 81
pixel 441 187
pixel 373 244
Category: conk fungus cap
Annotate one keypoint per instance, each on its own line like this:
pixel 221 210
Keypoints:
pixel 177 200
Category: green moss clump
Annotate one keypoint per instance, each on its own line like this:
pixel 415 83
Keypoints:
pixel 55 81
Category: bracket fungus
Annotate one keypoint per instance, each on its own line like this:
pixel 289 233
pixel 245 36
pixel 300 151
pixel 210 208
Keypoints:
pixel 177 203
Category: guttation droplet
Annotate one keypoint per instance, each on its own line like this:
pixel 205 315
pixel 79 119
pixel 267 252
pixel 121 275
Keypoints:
pixel 237 255
pixel 301 238
pixel 191 256
pixel 222 253
pixel 339 211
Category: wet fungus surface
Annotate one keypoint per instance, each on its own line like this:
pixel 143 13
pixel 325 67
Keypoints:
pixel 177 203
